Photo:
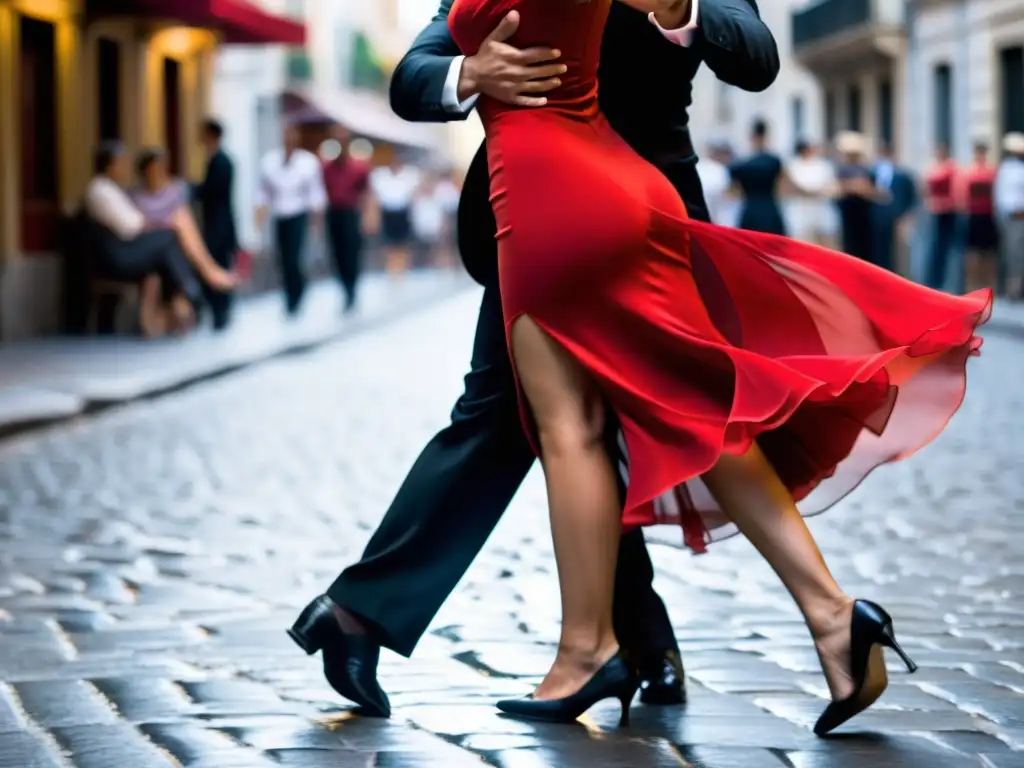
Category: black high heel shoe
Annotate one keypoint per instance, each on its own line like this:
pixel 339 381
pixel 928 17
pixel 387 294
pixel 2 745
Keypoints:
pixel 615 680
pixel 870 631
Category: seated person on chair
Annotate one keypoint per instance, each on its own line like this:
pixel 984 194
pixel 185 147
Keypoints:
pixel 130 248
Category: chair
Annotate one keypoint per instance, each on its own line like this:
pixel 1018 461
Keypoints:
pixel 100 289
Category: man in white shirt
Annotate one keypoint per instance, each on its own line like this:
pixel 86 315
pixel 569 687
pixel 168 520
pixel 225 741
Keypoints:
pixel 292 195
pixel 1009 204
pixel 125 247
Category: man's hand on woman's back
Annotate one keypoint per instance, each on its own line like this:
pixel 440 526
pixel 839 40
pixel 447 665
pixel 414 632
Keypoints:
pixel 511 75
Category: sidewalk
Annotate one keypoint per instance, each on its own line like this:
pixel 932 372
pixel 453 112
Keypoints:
pixel 48 380
pixel 1008 317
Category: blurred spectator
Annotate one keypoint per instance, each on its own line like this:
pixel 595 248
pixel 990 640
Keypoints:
pixel 1009 203
pixel 291 194
pixel 812 217
pixel 127 248
pixel 434 203
pixel 855 195
pixel 713 170
pixel 394 186
pixel 758 178
pixel 893 213
pixel 976 200
pixel 940 198
pixel 215 195
pixel 346 180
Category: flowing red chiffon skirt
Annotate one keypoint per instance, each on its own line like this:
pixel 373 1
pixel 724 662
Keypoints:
pixel 703 339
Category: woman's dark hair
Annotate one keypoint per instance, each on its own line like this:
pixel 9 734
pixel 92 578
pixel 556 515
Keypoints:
pixel 759 129
pixel 146 158
pixel 802 145
pixel 105 154
pixel 213 128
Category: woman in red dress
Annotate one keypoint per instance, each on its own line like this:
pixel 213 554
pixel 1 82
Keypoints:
pixel 748 372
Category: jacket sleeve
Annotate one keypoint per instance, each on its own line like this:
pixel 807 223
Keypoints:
pixel 736 45
pixel 418 81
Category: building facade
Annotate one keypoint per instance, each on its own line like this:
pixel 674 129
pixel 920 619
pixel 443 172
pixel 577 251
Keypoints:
pixel 967 62
pixel 792 106
pixel 74 73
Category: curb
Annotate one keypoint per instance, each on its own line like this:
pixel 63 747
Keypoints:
pixel 90 406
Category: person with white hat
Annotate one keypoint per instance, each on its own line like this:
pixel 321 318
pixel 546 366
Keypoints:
pixel 1009 203
pixel 856 195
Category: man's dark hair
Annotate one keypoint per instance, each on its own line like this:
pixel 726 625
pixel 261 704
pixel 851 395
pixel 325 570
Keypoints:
pixel 146 158
pixel 760 128
pixel 105 154
pixel 802 145
pixel 213 128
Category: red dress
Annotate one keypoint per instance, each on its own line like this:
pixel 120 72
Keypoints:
pixel 702 338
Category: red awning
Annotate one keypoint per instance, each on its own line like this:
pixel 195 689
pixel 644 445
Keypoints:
pixel 240 21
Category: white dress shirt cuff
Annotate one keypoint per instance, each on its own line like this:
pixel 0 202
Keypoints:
pixel 450 93
pixel 681 35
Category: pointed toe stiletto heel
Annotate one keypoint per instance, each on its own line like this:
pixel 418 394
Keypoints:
pixel 870 631
pixel 615 680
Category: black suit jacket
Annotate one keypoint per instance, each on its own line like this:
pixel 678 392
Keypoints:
pixel 646 90
pixel 215 196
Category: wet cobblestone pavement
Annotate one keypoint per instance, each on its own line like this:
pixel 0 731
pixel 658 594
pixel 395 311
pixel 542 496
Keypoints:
pixel 151 557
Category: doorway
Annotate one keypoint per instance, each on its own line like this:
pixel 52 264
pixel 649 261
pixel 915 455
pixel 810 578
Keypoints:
pixel 108 89
pixel 172 114
pixel 39 160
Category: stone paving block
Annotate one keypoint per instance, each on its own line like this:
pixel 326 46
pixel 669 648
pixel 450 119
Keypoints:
pixel 103 746
pixel 23 749
pixel 61 703
pixel 729 757
pixel 192 744
pixel 144 700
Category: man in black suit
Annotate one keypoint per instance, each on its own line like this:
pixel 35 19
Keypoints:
pixel 214 195
pixel 466 476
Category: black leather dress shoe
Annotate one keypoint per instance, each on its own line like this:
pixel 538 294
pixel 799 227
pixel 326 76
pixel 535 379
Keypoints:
pixel 662 681
pixel 350 661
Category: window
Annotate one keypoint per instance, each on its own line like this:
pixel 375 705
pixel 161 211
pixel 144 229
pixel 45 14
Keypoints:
pixel 1012 75
pixel 853 108
pixel 797 107
pixel 943 95
pixel 108 96
pixel 885 112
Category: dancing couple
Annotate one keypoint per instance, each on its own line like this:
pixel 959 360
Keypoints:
pixel 744 372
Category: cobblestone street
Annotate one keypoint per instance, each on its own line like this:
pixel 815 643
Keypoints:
pixel 152 556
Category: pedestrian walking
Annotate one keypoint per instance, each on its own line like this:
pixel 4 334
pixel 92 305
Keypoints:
pixel 346 180
pixel 856 195
pixel 394 186
pixel 291 195
pixel 1009 203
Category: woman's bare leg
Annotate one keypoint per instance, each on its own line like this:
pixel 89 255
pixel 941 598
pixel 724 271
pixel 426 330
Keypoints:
pixel 583 499
pixel 750 492
pixel 212 273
